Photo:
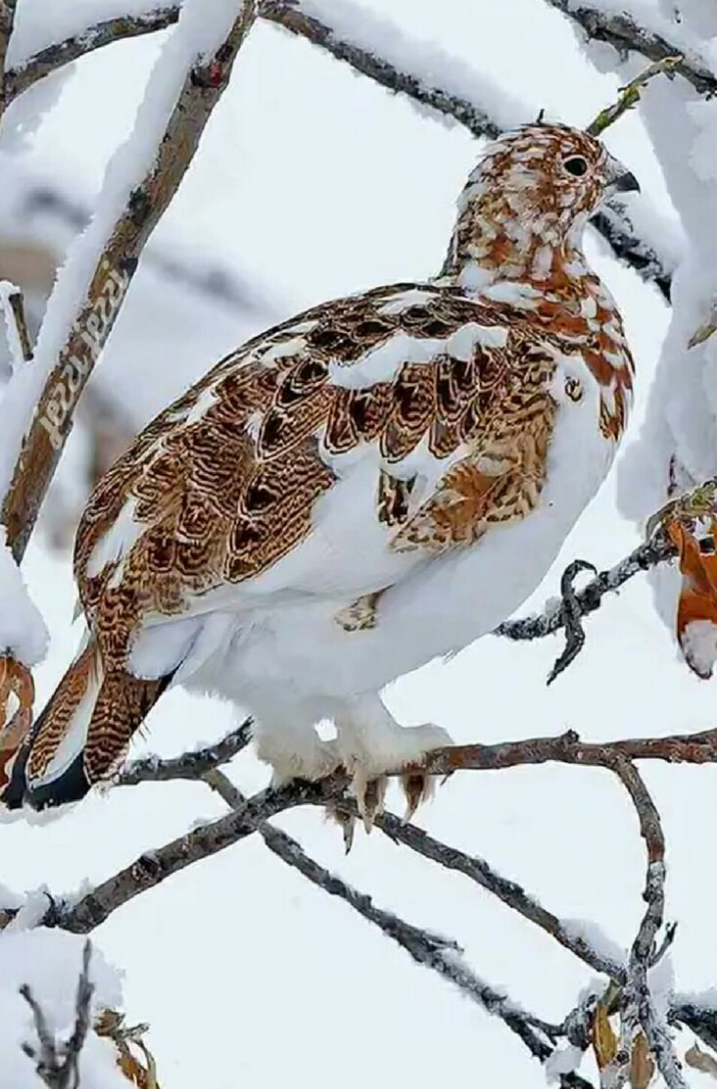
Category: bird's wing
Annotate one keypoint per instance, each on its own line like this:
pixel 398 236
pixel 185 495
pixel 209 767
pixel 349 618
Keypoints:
pixel 339 449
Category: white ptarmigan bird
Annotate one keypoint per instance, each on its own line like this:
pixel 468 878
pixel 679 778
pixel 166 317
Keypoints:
pixel 374 483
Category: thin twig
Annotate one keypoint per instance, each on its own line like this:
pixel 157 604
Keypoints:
pixel 638 1008
pixel 190 765
pixel 508 892
pixel 630 94
pixel 58 1063
pixel 651 554
pixel 42 448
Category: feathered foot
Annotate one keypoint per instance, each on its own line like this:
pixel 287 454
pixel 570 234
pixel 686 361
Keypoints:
pixel 372 743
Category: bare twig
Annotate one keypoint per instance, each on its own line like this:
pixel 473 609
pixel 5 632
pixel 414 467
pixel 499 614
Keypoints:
pixel 510 893
pixel 621 31
pixel 43 446
pixel 631 92
pixel 190 765
pixel 638 1008
pixel 58 1063
pixel 574 606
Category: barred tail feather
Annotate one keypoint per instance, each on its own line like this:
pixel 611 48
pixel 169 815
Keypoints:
pixel 83 732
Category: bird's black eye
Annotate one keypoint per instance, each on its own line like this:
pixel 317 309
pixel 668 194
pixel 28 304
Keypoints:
pixel 576 165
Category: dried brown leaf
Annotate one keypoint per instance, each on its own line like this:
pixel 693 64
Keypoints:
pixel 604 1040
pixel 701 1060
pixel 642 1065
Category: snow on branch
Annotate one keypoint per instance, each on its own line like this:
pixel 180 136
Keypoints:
pixel 190 765
pixel 646 1023
pixel 620 30
pixel 570 609
pixel 376 48
pixel 22 75
pixel 457 94
pixel 7 23
pixel 189 79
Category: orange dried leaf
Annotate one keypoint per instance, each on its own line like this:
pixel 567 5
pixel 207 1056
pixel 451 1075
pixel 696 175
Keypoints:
pixel 642 1066
pixel 697 608
pixel 604 1039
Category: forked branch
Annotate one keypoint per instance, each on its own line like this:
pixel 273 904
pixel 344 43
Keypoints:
pixel 42 447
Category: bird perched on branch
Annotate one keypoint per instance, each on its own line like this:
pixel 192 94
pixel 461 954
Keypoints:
pixel 372 484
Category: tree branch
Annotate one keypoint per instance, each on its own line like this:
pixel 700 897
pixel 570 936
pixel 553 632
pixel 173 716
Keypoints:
pixel 638 1008
pixel 508 892
pixel 49 60
pixel 58 1063
pixel 621 31
pixel 252 815
pixel 153 867
pixel 614 223
pixel 697 748
pixel 44 443
pixel 574 606
pixel 442 955
pixel 7 24
pixel 190 765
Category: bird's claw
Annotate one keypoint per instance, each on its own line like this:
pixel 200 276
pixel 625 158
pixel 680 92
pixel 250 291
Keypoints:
pixel 370 798
pixel 418 788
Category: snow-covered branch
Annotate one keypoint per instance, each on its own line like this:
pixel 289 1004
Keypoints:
pixel 620 30
pixel 188 81
pixel 7 22
pixel 439 83
pixel 23 75
pixel 570 609
pixel 190 765
pixel 440 954
pixel 376 48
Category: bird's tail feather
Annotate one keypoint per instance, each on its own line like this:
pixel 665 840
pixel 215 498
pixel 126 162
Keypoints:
pixel 83 732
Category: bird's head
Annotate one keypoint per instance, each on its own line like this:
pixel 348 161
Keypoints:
pixel 531 194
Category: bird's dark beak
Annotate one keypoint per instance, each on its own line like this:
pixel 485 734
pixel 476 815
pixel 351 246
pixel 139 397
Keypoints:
pixel 626 183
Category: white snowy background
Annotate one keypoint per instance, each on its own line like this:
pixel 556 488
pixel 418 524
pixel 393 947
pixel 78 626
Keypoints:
pixel 312 182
